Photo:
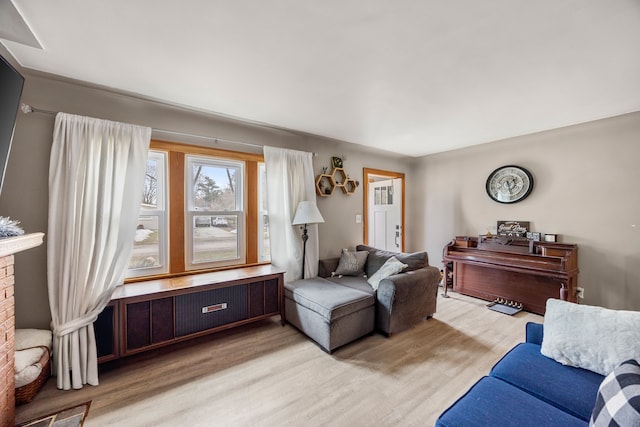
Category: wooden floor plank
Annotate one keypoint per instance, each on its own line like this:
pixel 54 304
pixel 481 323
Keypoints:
pixel 268 375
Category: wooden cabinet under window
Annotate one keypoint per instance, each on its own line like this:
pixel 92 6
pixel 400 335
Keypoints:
pixel 106 331
pixel 147 315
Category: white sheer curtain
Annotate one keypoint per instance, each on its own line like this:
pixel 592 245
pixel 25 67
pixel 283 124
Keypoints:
pixel 96 175
pixel 289 182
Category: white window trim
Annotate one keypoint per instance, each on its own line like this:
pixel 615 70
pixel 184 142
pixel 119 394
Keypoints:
pixel 191 212
pixel 163 229
pixel 262 213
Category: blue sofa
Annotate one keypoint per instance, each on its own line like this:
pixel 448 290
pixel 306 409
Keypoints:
pixel 526 388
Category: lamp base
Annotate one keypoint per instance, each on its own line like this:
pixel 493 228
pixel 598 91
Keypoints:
pixel 305 237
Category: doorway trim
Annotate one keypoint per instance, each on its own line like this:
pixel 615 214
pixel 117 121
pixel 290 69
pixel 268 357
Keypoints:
pixel 366 173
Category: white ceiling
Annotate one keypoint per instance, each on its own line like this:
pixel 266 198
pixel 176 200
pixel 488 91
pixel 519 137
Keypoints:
pixel 408 76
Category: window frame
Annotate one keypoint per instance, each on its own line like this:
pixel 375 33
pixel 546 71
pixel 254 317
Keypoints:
pixel 191 212
pixel 262 212
pixel 177 207
pixel 161 213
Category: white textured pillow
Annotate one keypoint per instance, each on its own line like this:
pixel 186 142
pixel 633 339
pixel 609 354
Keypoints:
pixel 588 337
pixel 389 268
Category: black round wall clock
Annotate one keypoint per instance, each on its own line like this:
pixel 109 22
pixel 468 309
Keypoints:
pixel 509 184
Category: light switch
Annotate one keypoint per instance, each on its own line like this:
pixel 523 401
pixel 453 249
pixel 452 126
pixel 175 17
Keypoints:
pixel 358 218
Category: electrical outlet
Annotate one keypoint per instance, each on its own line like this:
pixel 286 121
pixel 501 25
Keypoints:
pixel 580 292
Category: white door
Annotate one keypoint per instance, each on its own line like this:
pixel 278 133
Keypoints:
pixel 385 214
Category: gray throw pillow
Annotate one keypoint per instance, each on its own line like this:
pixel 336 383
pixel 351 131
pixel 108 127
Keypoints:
pixel 351 263
pixel 378 257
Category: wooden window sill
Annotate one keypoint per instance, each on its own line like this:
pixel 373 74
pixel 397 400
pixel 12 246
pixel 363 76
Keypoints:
pixel 181 283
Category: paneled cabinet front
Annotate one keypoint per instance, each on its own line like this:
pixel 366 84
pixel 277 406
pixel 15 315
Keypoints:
pixel 148 323
pixel 201 311
pixel 106 332
pixel 154 320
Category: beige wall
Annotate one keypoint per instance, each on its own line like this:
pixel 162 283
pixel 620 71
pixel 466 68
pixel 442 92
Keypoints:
pixel 584 187
pixel 25 194
pixel 585 191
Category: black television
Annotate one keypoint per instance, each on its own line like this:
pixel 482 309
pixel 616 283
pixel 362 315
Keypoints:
pixel 11 83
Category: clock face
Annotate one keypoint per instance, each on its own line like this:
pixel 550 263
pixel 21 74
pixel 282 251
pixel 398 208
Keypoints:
pixel 509 184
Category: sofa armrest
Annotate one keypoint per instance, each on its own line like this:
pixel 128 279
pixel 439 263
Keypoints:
pixel 406 298
pixel 327 266
pixel 534 333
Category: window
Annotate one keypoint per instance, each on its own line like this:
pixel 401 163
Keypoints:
pixel 202 209
pixel 149 255
pixel 215 216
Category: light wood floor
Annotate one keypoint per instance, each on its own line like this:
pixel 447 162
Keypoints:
pixel 268 375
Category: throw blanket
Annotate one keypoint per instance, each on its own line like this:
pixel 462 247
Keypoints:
pixel 27 365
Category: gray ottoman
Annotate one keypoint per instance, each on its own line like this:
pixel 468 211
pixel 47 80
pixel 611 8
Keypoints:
pixel 330 314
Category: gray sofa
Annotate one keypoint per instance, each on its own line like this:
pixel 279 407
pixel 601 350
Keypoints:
pixel 335 310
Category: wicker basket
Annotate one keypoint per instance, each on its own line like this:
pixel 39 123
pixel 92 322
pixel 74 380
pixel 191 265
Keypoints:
pixel 25 393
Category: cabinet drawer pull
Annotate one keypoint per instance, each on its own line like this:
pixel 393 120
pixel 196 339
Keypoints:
pixel 215 307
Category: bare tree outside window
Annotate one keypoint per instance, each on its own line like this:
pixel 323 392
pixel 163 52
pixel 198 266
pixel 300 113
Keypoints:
pixel 207 191
pixel 150 189
pixel 208 194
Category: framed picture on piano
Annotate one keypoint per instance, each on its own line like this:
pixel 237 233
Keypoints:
pixel 533 235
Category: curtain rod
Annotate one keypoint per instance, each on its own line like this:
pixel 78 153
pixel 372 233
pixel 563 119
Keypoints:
pixel 26 108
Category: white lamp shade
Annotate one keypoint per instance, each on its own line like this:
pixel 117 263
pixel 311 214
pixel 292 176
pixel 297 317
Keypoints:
pixel 307 213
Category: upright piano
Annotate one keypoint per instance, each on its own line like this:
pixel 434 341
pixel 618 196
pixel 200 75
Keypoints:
pixel 512 269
